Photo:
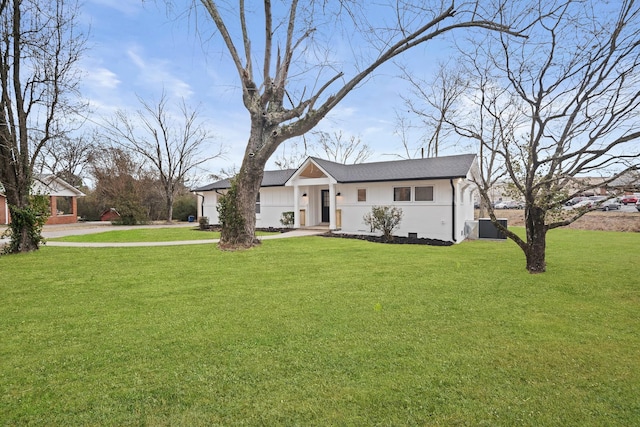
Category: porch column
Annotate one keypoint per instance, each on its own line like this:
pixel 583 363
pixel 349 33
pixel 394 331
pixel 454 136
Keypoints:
pixel 332 206
pixel 53 201
pixel 74 207
pixel 296 206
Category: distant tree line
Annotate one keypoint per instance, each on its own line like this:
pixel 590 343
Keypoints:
pixel 112 177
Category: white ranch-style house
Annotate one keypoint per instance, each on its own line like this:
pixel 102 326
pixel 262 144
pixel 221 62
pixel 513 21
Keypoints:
pixel 435 195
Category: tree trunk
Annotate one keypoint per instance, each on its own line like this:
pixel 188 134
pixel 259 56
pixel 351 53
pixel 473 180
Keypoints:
pixel 238 217
pixel 25 224
pixel 536 240
pixel 169 202
pixel 248 181
pixel 22 231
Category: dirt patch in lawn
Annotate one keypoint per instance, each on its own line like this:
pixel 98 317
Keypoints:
pixel 603 221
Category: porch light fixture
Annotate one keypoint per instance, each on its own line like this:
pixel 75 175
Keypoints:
pixel 338 194
pixel 304 195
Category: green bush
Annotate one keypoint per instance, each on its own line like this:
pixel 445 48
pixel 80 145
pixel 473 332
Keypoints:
pixel 29 220
pixel 384 219
pixel 185 206
pixel 287 219
pixel 230 217
pixel 203 222
pixel 131 213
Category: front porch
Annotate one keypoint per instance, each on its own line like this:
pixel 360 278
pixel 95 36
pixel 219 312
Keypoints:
pixel 323 227
pixel 314 197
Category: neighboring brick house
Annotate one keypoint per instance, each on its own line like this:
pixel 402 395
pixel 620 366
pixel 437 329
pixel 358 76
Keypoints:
pixel 4 210
pixel 63 200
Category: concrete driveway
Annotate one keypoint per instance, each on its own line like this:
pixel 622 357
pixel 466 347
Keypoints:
pixel 54 231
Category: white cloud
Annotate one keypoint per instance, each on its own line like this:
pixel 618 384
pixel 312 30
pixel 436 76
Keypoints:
pixel 154 73
pixel 127 7
pixel 102 78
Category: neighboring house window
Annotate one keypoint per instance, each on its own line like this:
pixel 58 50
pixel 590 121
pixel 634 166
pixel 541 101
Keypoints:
pixel 401 194
pixel 424 194
pixel 258 204
pixel 362 194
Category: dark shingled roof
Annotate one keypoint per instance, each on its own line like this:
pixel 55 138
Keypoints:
pixel 270 179
pixel 400 170
pixel 395 170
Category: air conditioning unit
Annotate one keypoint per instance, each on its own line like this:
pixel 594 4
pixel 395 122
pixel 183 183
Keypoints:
pixel 487 230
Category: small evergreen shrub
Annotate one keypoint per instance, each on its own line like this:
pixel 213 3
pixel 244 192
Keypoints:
pixel 230 217
pixel 287 219
pixel 203 222
pixel 384 219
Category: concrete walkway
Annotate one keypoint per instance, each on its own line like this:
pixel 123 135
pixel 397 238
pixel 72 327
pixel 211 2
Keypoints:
pixel 54 231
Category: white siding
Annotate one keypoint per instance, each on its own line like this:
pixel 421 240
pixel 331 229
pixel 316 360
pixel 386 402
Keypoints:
pixel 207 206
pixel 273 202
pixel 431 219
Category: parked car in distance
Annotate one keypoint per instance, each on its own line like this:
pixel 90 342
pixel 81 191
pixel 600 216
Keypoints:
pixel 629 199
pixel 638 205
pixel 517 205
pixel 511 204
pixel 610 204
pixel 584 204
pixel 597 199
pixel 576 200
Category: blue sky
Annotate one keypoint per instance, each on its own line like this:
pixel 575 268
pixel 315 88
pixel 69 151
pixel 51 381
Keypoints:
pixel 136 49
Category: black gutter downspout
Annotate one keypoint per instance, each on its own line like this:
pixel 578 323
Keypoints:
pixel 453 210
pixel 201 204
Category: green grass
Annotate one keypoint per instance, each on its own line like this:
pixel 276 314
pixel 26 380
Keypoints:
pixel 146 235
pixel 316 331
pixel 142 235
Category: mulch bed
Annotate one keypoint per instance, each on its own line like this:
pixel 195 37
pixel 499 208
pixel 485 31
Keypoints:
pixel 396 240
pixel 217 227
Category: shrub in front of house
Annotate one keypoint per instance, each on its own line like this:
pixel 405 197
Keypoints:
pixel 287 219
pixel 385 219
pixel 203 222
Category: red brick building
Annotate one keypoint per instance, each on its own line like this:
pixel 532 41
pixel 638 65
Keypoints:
pixel 63 200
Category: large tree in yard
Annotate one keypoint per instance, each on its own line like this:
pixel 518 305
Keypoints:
pixel 554 107
pixel 299 80
pixel 38 51
pixel 172 143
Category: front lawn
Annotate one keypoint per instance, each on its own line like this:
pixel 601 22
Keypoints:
pixel 317 331
pixel 159 234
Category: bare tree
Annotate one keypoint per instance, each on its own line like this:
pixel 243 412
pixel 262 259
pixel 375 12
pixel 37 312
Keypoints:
pixel 121 182
pixel 403 131
pixel 39 48
pixel 291 154
pixel 172 146
pixel 559 105
pixel 334 146
pixel 341 149
pixel 289 95
pixel 432 101
pixel 67 158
